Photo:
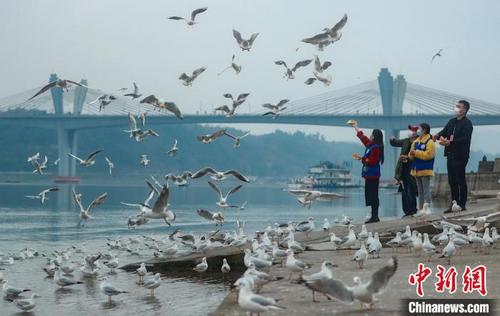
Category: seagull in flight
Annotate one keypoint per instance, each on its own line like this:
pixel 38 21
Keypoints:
pixel 160 104
pixel 230 111
pixel 308 196
pixel 104 100
pixel 39 167
pixel 188 80
pixel 216 217
pixel 59 83
pixel 219 175
pixel 134 95
pixel 243 43
pixel 289 73
pixel 438 54
pixel 237 139
pixel 190 22
pixel 329 35
pixel 111 165
pixel 160 208
pixel 236 68
pixel 276 109
pixel 365 293
pixel 173 151
pixel 208 138
pixel 320 67
pixel 144 161
pixel 34 157
pixel 181 180
pixel 85 213
pixel 42 196
pixel 89 160
pixel 222 203
pixel 325 79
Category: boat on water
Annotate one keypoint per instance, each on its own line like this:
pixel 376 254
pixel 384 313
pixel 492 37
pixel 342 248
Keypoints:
pixel 326 175
pixel 66 179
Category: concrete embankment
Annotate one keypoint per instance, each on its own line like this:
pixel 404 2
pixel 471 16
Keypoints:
pixel 298 299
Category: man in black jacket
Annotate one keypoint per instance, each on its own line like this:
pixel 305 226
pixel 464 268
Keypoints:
pixel 456 137
pixel 407 184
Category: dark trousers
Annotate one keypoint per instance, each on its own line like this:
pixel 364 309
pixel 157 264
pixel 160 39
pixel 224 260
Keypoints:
pixel 409 194
pixel 371 196
pixel 456 180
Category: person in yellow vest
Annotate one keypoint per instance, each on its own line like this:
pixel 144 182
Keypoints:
pixel 422 155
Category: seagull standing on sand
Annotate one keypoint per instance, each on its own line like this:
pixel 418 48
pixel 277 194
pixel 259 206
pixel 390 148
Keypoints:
pixel 428 247
pixel 201 267
pixel 191 21
pixel 42 196
pixel 243 43
pixel 326 225
pixel 109 290
pixel 450 250
pixel 11 292
pixel 361 255
pixel 324 273
pixel 64 280
pixel 152 283
pixel 294 265
pixel 59 83
pixel 26 304
pixel 350 240
pixel 225 268
pixel 141 271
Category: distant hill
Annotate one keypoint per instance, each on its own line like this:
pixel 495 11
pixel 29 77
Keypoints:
pixel 278 154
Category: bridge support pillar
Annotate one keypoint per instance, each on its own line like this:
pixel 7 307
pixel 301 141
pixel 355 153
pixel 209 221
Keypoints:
pixel 390 154
pixel 66 143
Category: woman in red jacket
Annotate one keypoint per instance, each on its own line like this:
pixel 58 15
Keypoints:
pixel 372 159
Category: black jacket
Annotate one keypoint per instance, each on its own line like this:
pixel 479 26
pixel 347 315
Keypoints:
pixel 462 132
pixel 402 168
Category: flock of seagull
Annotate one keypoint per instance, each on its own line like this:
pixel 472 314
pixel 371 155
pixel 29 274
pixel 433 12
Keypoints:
pixel 274 245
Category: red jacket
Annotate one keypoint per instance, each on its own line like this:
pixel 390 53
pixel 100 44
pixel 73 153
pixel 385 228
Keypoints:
pixel 374 157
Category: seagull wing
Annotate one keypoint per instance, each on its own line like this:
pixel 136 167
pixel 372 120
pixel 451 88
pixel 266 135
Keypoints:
pixel 205 214
pixel 92 155
pixel 381 277
pixel 229 135
pixel 237 36
pixel 282 102
pixel 253 37
pixel 234 190
pixel 493 217
pixel 317 63
pixel 340 24
pixel 151 99
pixel 228 95
pixel 162 202
pixel 299 192
pixel 75 83
pixel 196 12
pixel 281 63
pixel 332 288
pixel 153 188
pixel 184 76
pixel 136 88
pixel 237 175
pixel 269 106
pixel 325 65
pixel 71 155
pixel 310 81
pixel 176 18
pixel 223 108
pixel 98 201
pixel 200 173
pixel 132 122
pixel 198 71
pixel 242 97
pixel 217 134
pixel 215 187
pixel 316 39
pixel 301 63
pixel 172 107
pixel 45 88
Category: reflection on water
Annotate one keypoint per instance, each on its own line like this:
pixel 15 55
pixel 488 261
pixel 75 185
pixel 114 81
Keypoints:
pixel 24 223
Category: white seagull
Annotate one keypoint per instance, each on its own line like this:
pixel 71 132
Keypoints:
pixel 42 196
pixel 191 21
pixel 243 43
pixel 89 160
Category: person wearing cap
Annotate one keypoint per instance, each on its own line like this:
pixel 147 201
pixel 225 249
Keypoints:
pixel 371 160
pixel 422 155
pixel 407 183
pixel 456 138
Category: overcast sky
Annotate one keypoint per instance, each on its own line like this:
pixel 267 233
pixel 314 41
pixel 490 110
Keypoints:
pixel 115 42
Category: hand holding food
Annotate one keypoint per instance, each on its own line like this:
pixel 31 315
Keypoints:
pixel 352 123
pixel 356 156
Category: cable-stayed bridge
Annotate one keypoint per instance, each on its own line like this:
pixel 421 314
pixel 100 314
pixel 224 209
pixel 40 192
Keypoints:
pixel 387 103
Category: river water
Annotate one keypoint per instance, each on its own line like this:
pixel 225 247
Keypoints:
pixel 24 223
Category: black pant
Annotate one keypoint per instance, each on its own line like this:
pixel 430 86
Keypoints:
pixel 456 180
pixel 371 196
pixel 409 194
